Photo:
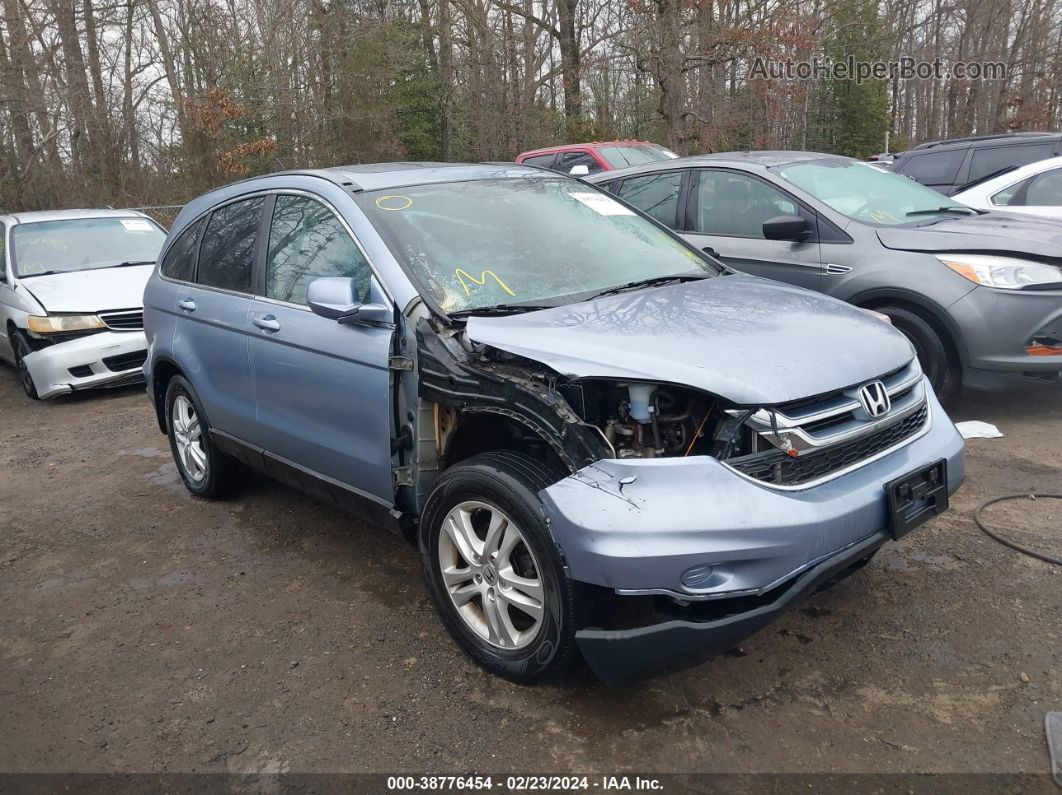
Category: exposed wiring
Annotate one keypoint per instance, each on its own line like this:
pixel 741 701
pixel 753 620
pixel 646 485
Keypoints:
pixel 1007 542
pixel 700 428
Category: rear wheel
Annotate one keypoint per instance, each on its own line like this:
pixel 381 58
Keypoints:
pixel 205 470
pixel 933 351
pixel 493 570
pixel 22 350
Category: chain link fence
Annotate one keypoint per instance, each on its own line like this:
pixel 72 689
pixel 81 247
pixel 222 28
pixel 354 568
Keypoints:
pixel 163 213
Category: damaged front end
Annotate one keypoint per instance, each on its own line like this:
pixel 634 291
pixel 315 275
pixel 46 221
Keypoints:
pixel 696 519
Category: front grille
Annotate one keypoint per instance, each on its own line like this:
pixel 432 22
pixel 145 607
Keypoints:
pixel 125 361
pixel 777 468
pixel 124 320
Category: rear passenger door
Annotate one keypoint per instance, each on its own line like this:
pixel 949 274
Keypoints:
pixel 937 170
pixel 211 329
pixel 656 194
pixel 724 215
pixel 322 388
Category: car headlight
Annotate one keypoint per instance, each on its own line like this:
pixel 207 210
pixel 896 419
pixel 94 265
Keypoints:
pixel 1010 273
pixel 62 324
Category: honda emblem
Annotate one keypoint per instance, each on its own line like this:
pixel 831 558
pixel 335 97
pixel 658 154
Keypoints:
pixel 874 399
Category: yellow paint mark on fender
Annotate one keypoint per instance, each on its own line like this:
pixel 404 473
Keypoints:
pixel 462 275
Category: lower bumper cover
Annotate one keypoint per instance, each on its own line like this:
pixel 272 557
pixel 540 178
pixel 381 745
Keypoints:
pixel 51 367
pixel 620 656
pixel 999 324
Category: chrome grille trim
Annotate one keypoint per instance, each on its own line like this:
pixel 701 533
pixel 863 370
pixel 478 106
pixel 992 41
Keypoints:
pixel 123 319
pixel 841 414
pixel 824 427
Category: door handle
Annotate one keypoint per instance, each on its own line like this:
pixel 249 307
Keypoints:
pixel 711 252
pixel 187 304
pixel 267 323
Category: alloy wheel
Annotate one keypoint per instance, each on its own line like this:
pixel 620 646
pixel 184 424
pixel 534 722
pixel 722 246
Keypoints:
pixel 188 434
pixel 491 575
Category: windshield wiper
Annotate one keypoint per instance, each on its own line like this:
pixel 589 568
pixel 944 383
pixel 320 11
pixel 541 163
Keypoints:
pixel 127 264
pixel 652 281
pixel 960 210
pixel 40 273
pixel 499 309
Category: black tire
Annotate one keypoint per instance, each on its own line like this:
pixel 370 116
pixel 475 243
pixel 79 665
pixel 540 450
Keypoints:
pixel 220 471
pixel 933 351
pixel 22 349
pixel 510 482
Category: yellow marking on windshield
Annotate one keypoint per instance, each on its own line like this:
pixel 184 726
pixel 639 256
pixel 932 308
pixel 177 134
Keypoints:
pixel 403 202
pixel 881 216
pixel 462 274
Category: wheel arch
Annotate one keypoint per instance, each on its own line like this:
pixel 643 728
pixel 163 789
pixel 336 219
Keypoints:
pixel 162 372
pixel 924 307
pixel 486 429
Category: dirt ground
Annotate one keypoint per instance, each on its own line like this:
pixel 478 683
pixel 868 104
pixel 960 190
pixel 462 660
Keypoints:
pixel 144 630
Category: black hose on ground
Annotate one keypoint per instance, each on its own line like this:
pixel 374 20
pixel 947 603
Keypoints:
pixel 1007 542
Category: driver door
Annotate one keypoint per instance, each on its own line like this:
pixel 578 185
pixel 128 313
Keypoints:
pixel 322 389
pixel 725 214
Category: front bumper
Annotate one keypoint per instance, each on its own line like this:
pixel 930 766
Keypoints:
pixel 108 358
pixel 998 325
pixel 635 526
pixel 622 656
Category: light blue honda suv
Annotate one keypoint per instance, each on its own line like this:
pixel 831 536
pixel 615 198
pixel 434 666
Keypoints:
pixel 604 442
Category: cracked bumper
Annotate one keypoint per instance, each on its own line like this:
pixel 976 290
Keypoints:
pixel 675 514
pixel 97 360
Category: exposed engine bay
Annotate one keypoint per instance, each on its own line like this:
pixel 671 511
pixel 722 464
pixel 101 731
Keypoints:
pixel 583 420
pixel 642 420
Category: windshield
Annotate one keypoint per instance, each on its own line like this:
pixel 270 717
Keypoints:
pixel 477 244
pixel 83 244
pixel 867 194
pixel 623 156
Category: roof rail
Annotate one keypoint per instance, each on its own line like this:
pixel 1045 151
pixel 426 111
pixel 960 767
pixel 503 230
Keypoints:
pixel 973 138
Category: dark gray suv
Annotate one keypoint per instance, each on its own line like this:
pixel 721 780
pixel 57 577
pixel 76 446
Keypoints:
pixel 975 292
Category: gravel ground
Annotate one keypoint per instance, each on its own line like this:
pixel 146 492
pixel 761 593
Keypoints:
pixel 144 630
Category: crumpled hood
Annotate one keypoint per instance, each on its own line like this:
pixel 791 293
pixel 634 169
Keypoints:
pixel 90 291
pixel 749 340
pixel 993 231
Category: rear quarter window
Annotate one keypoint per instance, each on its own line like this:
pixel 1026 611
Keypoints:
pixel 546 161
pixel 179 262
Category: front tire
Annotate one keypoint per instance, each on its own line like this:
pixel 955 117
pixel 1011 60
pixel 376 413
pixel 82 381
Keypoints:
pixel 22 349
pixel 934 355
pixel 205 470
pixel 493 570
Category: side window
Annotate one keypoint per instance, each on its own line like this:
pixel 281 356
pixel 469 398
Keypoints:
pixel 937 168
pixel 1045 190
pixel 307 241
pixel 655 194
pixel 179 262
pixel 1009 194
pixel 227 252
pixel 569 160
pixel 729 203
pixel 539 160
pixel 996 158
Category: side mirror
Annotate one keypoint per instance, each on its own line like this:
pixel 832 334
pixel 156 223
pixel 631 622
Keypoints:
pixel 579 171
pixel 335 297
pixel 785 227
